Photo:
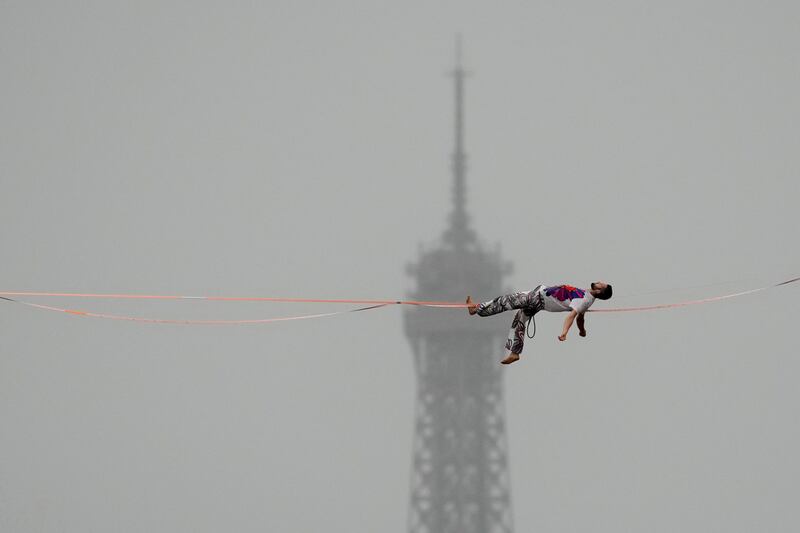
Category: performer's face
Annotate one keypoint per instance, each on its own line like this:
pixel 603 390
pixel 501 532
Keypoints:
pixel 598 287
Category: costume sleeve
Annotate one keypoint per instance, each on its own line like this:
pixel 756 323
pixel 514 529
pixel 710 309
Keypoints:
pixel 581 305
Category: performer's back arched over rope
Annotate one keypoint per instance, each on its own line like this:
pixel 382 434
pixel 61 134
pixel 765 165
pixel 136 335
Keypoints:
pixel 556 299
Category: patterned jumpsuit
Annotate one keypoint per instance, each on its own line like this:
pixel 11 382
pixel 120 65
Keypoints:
pixel 529 303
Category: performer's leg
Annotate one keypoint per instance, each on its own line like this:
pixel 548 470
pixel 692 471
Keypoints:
pixel 516 300
pixel 516 337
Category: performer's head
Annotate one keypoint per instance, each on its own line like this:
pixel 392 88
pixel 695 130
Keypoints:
pixel 601 290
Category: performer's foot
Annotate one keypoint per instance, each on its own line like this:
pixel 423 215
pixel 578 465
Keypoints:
pixel 511 358
pixel 471 306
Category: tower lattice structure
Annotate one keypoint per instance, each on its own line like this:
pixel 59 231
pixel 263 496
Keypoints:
pixel 460 479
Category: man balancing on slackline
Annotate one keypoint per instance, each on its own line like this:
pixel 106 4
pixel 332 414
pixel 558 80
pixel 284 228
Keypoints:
pixel 558 298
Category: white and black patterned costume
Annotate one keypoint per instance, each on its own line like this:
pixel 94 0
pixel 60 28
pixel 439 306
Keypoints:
pixel 529 303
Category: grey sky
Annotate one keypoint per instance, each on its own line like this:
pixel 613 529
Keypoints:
pixel 302 149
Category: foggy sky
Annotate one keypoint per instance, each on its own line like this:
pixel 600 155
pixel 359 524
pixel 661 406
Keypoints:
pixel 302 149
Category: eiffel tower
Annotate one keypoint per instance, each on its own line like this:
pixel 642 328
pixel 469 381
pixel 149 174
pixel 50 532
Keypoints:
pixel 459 481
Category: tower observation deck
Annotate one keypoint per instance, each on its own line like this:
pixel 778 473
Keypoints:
pixel 459 479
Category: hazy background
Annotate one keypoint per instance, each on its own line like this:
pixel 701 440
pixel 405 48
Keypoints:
pixel 302 149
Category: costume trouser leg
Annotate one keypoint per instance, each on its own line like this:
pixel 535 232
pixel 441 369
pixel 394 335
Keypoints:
pixel 528 303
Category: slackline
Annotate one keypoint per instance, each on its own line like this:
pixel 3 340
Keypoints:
pixel 367 305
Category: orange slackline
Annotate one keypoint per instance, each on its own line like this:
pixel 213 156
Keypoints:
pixel 371 304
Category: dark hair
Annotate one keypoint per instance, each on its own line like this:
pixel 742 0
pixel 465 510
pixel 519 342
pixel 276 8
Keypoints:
pixel 606 294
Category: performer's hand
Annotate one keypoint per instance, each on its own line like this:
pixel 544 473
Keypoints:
pixel 562 337
pixel 582 333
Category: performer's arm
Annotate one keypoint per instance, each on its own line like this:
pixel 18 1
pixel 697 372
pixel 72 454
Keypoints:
pixel 581 327
pixel 567 324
